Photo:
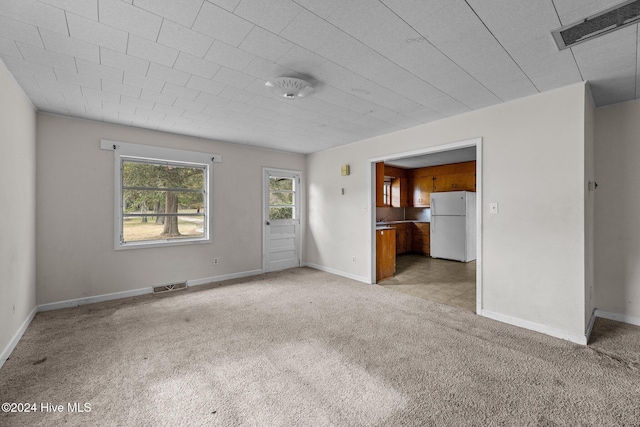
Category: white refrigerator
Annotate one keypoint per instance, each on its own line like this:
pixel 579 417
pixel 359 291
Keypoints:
pixel 453 225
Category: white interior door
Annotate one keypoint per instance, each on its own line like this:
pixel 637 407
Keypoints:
pixel 281 242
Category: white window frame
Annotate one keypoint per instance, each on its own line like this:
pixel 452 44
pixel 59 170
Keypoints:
pixel 123 150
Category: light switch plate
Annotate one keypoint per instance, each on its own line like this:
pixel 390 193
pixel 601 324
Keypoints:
pixel 493 207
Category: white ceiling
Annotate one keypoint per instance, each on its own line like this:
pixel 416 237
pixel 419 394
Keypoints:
pixel 198 67
pixel 434 159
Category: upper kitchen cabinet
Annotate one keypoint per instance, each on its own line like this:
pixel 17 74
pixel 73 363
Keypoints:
pixel 455 182
pixel 399 193
pixel 380 202
pixel 398 186
pixel 421 189
pixel 455 177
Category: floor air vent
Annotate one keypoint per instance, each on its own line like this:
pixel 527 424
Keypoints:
pixel 613 19
pixel 169 288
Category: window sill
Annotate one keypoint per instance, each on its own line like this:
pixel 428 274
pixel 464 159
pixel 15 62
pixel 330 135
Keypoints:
pixel 161 244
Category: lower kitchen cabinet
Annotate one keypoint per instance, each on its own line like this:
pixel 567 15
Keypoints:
pixel 385 253
pixel 403 238
pixel 421 241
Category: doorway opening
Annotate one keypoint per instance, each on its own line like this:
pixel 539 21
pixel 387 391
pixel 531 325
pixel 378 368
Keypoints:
pixel 449 272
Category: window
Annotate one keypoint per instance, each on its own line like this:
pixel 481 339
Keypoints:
pixel 161 195
pixel 282 198
pixel 386 192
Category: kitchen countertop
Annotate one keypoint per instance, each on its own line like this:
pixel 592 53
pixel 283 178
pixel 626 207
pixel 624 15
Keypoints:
pixel 390 223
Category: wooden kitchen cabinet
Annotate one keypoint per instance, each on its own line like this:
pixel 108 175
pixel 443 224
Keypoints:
pixel 455 177
pixel 399 193
pixel 403 238
pixel 398 188
pixel 408 233
pixel 385 254
pixel 455 182
pixel 413 187
pixel 422 187
pixel 380 184
pixel 421 241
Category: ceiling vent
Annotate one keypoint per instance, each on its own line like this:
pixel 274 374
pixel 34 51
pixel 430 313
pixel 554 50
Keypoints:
pixel 289 87
pixel 613 19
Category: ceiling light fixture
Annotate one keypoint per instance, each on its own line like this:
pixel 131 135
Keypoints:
pixel 289 87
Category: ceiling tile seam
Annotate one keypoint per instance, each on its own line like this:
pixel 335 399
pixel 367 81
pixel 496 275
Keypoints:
pixel 20 50
pixel 340 65
pixel 373 50
pixel 129 32
pixel 398 65
pixel 66 21
pixel 196 16
pixel 326 116
pixel 374 103
pixel 446 56
pixel 555 9
pixel 451 59
pixel 502 46
pixel 159 31
pixel 310 124
pixel 248 34
pixel 329 116
pixel 323 115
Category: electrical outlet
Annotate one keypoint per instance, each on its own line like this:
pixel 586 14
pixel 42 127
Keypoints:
pixel 216 261
pixel 353 259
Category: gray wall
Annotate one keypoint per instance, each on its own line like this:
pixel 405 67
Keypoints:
pixel 590 198
pixel 17 210
pixel 76 257
pixel 617 228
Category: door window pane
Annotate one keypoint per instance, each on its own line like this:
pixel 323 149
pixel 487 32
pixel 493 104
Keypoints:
pixel 281 213
pixel 282 198
pixel 276 183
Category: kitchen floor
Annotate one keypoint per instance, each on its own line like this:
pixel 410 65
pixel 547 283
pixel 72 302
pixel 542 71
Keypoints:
pixel 447 282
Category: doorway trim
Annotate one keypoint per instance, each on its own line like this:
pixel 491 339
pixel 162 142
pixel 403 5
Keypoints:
pixel 265 219
pixel 473 142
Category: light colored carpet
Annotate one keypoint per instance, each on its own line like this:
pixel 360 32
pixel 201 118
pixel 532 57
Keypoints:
pixel 302 348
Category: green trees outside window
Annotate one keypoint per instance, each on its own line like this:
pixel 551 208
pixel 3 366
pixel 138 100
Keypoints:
pixel 162 201
pixel 281 198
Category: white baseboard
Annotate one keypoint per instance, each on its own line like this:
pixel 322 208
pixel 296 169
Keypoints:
pixel 137 292
pixel 625 318
pixel 338 272
pixel 101 298
pixel 207 280
pixel 537 327
pixel 91 300
pixel 16 338
pixel 592 320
